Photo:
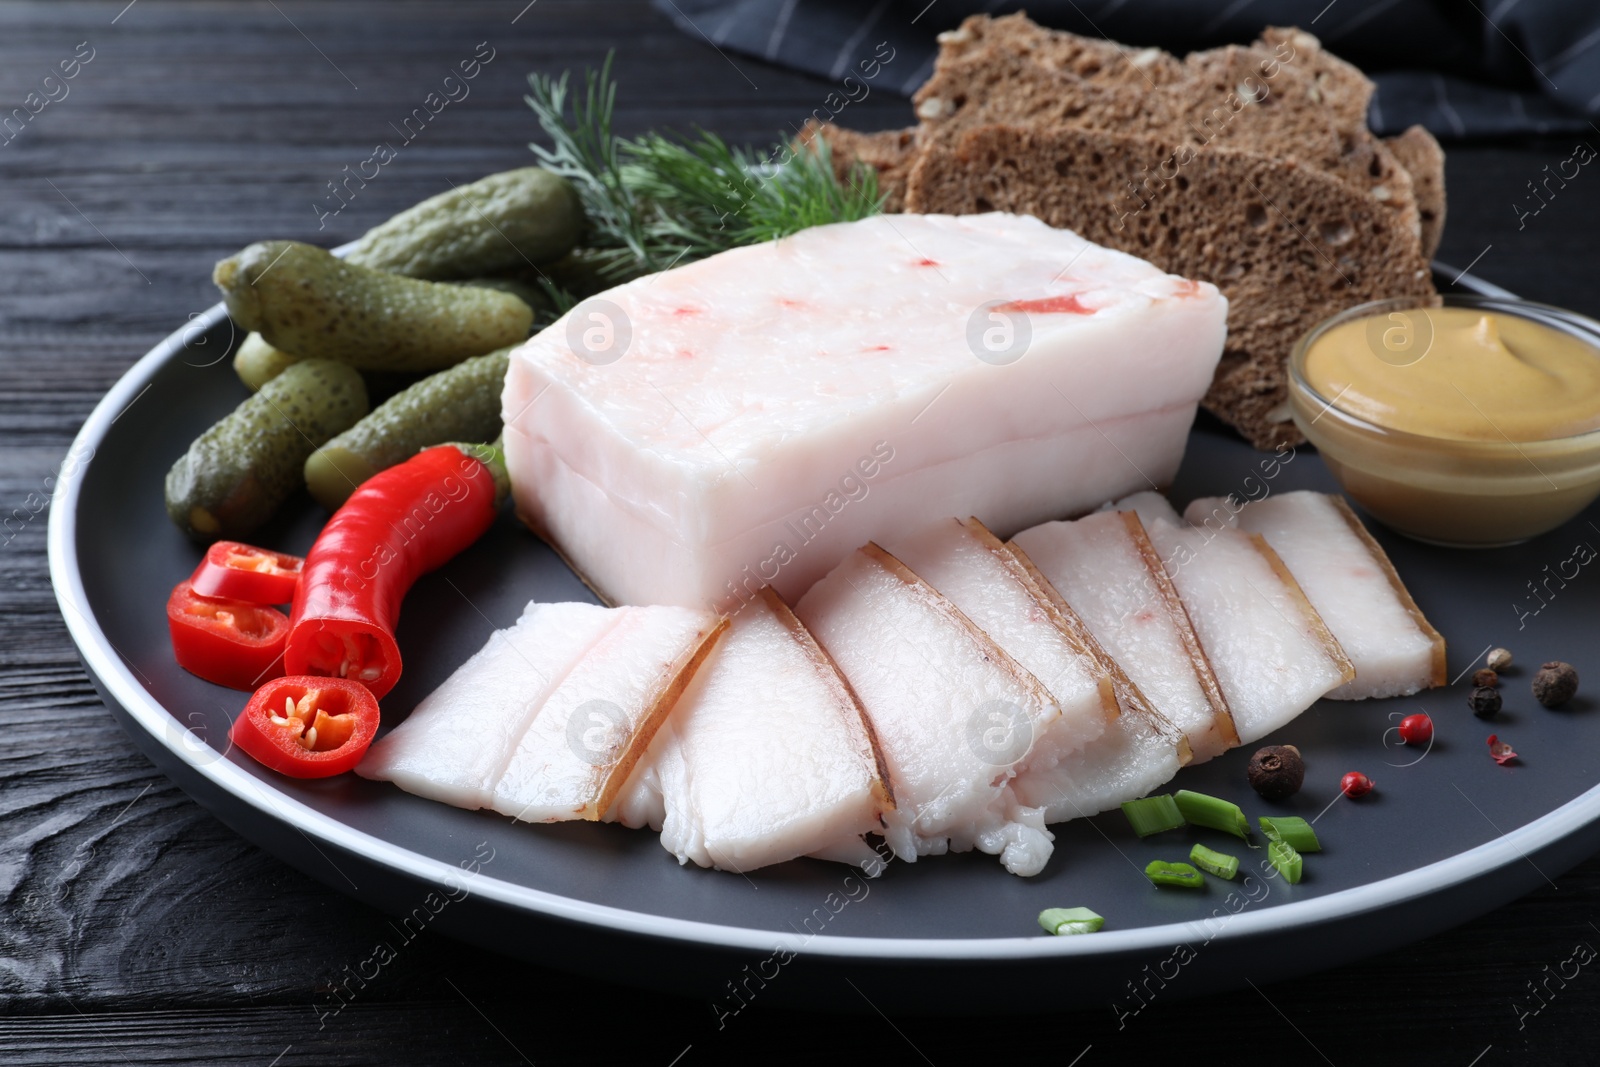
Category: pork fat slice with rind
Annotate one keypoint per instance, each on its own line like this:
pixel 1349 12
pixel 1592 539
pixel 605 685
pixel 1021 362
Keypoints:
pixel 1350 581
pixel 975 572
pixel 456 743
pixel 954 715
pixel 1105 567
pixel 766 758
pixel 587 736
pixel 1271 651
pixel 753 417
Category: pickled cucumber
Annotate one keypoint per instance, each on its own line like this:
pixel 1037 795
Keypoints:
pixel 503 222
pixel 257 363
pixel 459 404
pixel 237 473
pixel 307 302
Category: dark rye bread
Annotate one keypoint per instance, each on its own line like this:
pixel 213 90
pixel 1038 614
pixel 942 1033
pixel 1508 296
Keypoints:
pixel 995 84
pixel 994 70
pixel 1237 99
pixel 1421 155
pixel 1286 244
pixel 1340 87
pixel 1085 57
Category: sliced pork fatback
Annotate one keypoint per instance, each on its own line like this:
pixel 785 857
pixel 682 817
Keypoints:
pixel 767 757
pixel 587 735
pixel 976 572
pixel 954 715
pixel 752 418
pixel 1271 651
pixel 1105 567
pixel 1350 581
pixel 455 744
pixel 1140 752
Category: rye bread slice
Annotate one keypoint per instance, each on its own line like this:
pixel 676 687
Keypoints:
pixel 1340 87
pixel 1286 244
pixel 1085 57
pixel 1288 113
pixel 1422 157
pixel 1235 97
pixel 993 83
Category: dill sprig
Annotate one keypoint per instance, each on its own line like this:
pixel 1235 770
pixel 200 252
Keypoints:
pixel 658 200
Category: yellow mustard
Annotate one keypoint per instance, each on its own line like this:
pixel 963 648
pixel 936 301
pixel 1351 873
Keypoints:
pixel 1459 373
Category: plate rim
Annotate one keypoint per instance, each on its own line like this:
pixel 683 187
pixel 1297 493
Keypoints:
pixel 112 670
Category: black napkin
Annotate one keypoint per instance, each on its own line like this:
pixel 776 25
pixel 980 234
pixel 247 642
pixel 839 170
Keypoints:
pixel 1462 68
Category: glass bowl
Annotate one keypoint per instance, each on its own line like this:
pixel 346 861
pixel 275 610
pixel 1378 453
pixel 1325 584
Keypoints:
pixel 1463 494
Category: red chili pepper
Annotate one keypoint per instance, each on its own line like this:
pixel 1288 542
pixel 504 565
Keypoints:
pixel 229 642
pixel 398 525
pixel 308 727
pixel 244 572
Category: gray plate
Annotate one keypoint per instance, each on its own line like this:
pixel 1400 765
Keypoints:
pixel 1447 836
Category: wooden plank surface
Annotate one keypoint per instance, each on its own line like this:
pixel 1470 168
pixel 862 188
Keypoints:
pixel 136 927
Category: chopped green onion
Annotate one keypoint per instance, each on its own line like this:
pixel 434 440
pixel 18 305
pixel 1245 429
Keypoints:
pixel 1293 830
pixel 1218 863
pixel 1202 810
pixel 1152 815
pixel 1286 859
pixel 1180 874
pixel 1070 921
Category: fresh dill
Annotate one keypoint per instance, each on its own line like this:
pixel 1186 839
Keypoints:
pixel 656 200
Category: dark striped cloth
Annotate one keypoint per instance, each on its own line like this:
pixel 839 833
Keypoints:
pixel 1462 68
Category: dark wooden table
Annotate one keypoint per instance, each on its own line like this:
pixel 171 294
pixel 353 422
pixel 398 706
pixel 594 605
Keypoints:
pixel 138 929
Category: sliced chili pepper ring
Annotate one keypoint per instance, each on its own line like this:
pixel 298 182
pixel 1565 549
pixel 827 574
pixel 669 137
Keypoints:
pixel 245 572
pixel 229 642
pixel 308 727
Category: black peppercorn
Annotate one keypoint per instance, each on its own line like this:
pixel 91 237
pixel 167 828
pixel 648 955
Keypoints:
pixel 1485 677
pixel 1484 701
pixel 1277 771
pixel 1554 684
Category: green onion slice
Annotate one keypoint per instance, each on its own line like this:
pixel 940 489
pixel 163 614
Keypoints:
pixel 1218 863
pixel 1064 921
pixel 1214 812
pixel 1179 874
pixel 1152 815
pixel 1286 859
pixel 1291 829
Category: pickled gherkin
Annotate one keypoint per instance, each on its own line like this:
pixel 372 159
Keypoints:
pixel 309 303
pixel 507 221
pixel 459 404
pixel 257 363
pixel 237 473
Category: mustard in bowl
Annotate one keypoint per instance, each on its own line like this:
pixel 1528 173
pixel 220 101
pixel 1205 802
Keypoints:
pixel 1466 421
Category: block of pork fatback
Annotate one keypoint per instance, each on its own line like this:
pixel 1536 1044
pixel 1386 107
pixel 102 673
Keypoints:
pixel 753 417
